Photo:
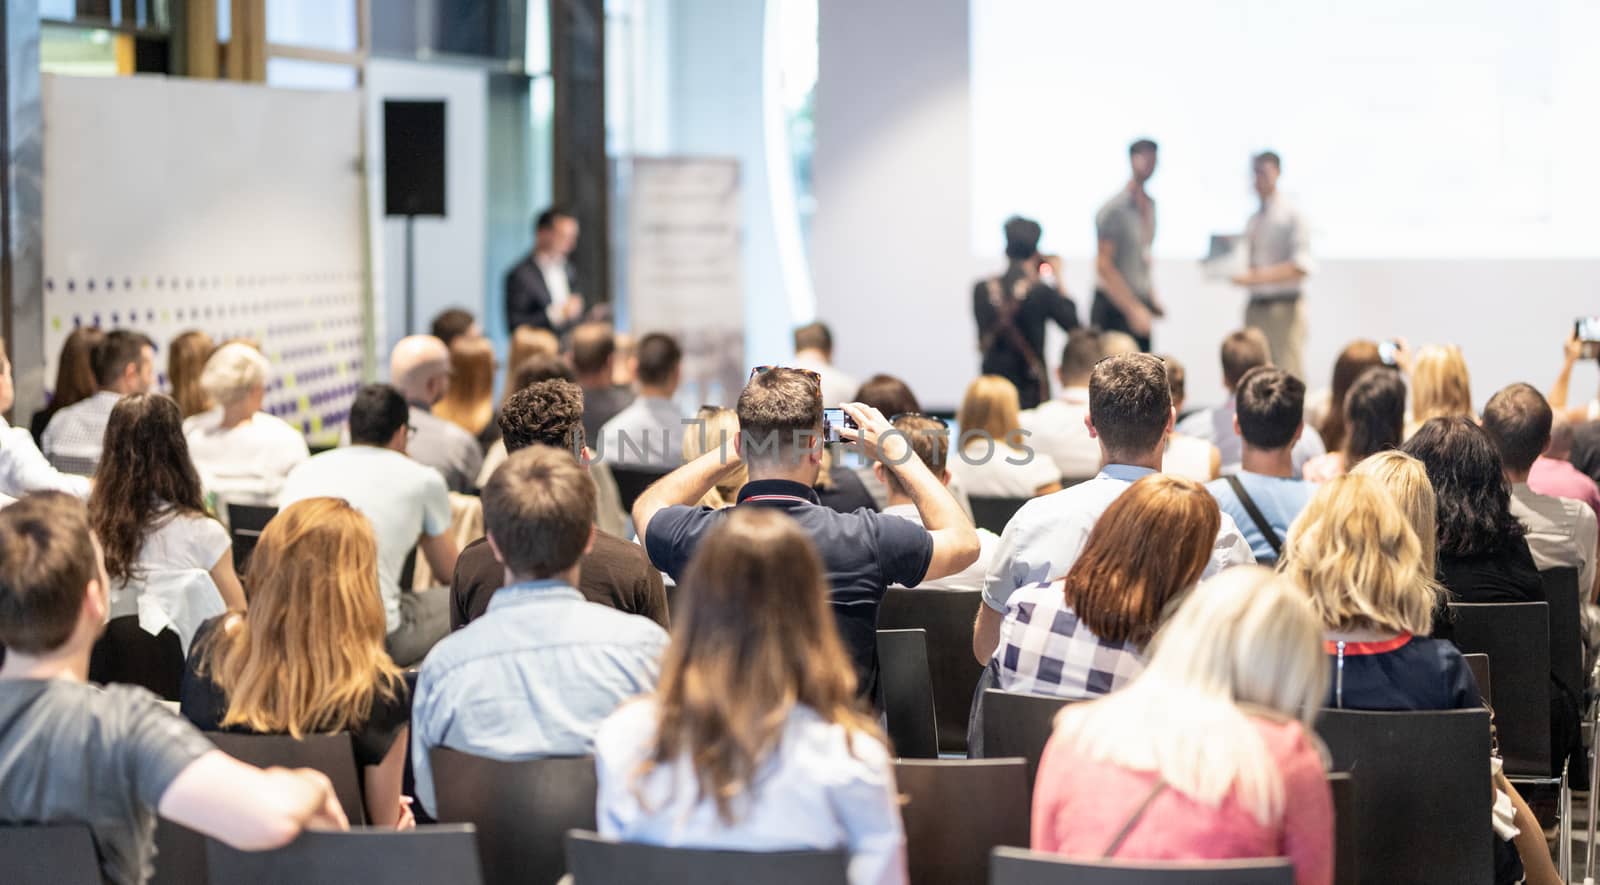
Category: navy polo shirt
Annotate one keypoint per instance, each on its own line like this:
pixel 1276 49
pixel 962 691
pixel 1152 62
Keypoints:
pixel 864 553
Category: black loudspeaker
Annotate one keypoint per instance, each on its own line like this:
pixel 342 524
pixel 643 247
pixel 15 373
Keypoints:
pixel 413 157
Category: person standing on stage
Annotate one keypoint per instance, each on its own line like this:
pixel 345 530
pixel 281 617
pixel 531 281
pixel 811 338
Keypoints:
pixel 1124 299
pixel 542 290
pixel 1279 244
pixel 1013 308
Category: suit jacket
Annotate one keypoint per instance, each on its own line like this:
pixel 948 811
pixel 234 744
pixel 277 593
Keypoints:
pixel 528 298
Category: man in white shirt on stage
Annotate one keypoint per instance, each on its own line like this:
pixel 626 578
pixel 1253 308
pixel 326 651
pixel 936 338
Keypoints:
pixel 1279 249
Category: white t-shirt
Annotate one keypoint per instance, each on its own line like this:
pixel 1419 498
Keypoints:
pixel 183 541
pixel 403 499
pixel 969 579
pixel 247 463
pixel 1000 471
pixel 1187 456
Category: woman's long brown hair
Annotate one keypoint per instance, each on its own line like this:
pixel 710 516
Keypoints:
pixel 469 403
pixel 308 658
pixel 145 476
pixel 1356 358
pixel 186 361
pixel 74 372
pixel 1148 548
pixel 756 638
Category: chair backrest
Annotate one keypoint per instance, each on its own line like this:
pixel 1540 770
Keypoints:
pixel 245 524
pixel 331 754
pixel 597 861
pixel 1019 725
pixel 126 654
pixel 522 810
pixel 1421 791
pixel 1013 866
pixel 1346 829
pixel 908 708
pixel 1479 665
pixel 957 811
pixel 946 615
pixel 1561 593
pixel 54 854
pixel 632 481
pixel 438 855
pixel 994 513
pixel 1516 637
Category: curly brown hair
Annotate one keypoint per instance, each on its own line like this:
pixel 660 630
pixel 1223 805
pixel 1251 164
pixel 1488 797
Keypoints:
pixel 546 413
pixel 145 478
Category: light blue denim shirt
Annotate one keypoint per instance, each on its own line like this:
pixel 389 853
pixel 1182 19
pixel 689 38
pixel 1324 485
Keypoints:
pixel 533 677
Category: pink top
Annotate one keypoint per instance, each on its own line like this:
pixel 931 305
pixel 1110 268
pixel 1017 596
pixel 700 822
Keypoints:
pixel 1079 806
pixel 1559 479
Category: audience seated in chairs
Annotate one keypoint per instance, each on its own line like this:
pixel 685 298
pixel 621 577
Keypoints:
pixel 594 357
pixel 1242 351
pixel 468 402
pixel 614 572
pixel 1269 405
pixel 454 322
pixel 1554 474
pixel 1406 481
pixel 813 349
pixel 649 431
pixel 1188 456
pixel 891 396
pixel 186 363
pixel 23 468
pixel 1209 754
pixel 112 758
pixel 992 461
pixel 75 380
pixel 1355 554
pixel 308 658
pixel 1325 409
pixel 124 363
pixel 1374 421
pixel 536 674
pixel 1130 410
pixel 419 367
pixel 1056 426
pixel 242 453
pixel 780 420
pixel 754 740
pixel 1087 634
pixel 536 368
pixel 930 442
pixel 1440 386
pixel 407 504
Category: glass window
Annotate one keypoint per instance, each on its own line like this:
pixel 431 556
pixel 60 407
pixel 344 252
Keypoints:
pixel 294 73
pixel 319 24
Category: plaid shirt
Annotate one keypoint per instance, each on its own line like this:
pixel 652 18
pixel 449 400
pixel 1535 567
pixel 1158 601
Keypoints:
pixel 1045 649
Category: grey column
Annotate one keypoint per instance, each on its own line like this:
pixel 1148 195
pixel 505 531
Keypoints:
pixel 22 204
pixel 581 179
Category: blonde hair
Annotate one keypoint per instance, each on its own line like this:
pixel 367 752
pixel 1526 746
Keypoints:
pixel 991 406
pixel 309 657
pixel 469 401
pixel 1244 645
pixel 1357 557
pixel 1406 478
pixel 710 428
pixel 1440 385
pixel 233 371
pixel 186 363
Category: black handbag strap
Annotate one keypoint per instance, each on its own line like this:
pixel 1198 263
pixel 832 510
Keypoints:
pixel 1256 516
pixel 1133 819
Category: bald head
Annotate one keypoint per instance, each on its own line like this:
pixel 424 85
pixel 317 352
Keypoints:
pixel 419 367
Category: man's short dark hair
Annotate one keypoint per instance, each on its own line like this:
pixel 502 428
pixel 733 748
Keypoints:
pixel 46 564
pixel 452 323
pixel 547 219
pixel 112 356
pixel 930 442
pixel 1268 157
pixel 1518 420
pixel 780 411
pixel 1242 351
pixel 593 344
pixel 541 367
pixel 1142 146
pixel 1130 405
pixel 658 356
pixel 539 508
pixel 889 395
pixel 545 413
pixel 1082 351
pixel 378 413
pixel 1022 238
pixel 814 336
pixel 1271 406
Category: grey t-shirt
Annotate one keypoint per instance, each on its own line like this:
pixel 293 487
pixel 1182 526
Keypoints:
pixel 1120 222
pixel 71 752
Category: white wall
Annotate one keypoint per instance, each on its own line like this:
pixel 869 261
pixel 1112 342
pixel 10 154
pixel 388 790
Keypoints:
pixel 450 252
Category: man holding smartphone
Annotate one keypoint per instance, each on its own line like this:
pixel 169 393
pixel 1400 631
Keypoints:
pixel 1279 244
pixel 1124 298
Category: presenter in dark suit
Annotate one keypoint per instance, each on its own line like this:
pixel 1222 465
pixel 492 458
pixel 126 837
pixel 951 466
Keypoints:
pixel 542 290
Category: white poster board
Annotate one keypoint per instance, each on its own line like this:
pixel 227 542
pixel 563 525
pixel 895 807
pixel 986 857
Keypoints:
pixel 685 269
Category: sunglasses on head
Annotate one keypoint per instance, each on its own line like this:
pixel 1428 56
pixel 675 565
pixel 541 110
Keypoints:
pixel 816 378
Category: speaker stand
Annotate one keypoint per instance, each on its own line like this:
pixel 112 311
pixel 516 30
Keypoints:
pixel 411 275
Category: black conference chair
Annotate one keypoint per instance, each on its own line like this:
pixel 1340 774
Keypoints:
pixel 946 615
pixel 331 754
pixel 907 693
pixel 994 513
pixel 1346 829
pixel 597 861
pixel 957 811
pixel 126 654
pixel 57 854
pixel 632 481
pixel 1479 665
pixel 1516 637
pixel 1014 866
pixel 245 525
pixel 1422 792
pixel 1017 724
pixel 438 855
pixel 522 810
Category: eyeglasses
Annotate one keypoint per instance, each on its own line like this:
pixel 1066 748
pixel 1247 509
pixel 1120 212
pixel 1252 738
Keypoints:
pixel 816 377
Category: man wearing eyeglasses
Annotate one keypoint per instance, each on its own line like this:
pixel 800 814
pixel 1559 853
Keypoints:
pixel 779 442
